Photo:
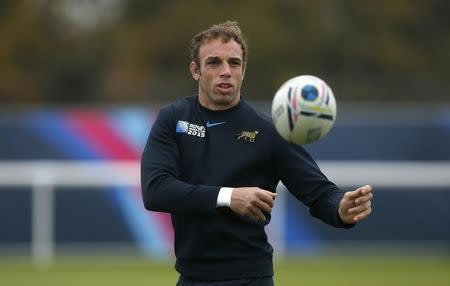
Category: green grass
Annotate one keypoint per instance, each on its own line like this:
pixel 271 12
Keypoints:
pixel 365 271
pixel 125 271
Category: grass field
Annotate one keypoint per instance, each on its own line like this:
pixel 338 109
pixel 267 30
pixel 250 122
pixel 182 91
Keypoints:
pixel 125 271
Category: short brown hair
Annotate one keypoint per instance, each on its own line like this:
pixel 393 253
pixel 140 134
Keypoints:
pixel 227 31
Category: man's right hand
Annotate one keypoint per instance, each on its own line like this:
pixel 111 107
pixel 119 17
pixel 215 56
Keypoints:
pixel 252 202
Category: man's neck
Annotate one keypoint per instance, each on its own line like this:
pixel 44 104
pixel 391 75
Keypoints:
pixel 217 107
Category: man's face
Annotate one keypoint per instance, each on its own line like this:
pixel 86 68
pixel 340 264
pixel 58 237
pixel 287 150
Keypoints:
pixel 220 75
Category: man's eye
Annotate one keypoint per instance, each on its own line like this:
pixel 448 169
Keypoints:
pixel 213 62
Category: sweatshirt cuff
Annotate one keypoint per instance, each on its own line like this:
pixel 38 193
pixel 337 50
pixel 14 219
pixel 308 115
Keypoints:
pixel 224 197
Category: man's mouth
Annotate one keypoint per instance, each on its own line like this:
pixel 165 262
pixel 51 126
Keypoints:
pixel 224 87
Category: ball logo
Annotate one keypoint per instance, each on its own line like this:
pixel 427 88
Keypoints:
pixel 277 113
pixel 313 134
pixel 310 93
pixel 303 109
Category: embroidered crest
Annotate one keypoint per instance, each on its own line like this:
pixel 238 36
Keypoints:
pixel 248 136
pixel 190 129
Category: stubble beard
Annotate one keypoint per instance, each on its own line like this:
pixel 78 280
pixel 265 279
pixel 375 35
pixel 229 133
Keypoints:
pixel 223 100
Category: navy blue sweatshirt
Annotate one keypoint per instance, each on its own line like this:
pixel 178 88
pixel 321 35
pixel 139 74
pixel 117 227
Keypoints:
pixel 192 152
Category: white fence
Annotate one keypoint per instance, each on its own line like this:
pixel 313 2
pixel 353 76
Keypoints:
pixel 44 176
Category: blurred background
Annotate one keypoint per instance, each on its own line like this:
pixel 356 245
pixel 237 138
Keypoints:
pixel 81 82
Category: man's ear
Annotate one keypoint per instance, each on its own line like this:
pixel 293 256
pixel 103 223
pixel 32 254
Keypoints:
pixel 195 71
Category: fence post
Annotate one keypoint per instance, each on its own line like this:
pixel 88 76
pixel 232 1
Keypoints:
pixel 42 219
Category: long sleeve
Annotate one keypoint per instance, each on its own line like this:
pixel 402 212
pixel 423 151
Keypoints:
pixel 160 172
pixel 303 178
pixel 192 152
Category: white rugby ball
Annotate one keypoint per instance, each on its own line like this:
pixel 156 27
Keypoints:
pixel 304 109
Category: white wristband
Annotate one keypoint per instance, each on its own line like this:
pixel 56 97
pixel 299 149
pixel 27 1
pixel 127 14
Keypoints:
pixel 224 197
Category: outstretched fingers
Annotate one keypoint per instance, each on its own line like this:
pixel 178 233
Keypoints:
pixel 359 192
pixel 356 205
pixel 360 208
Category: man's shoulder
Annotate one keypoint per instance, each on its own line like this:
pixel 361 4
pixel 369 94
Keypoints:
pixel 258 114
pixel 180 104
pixel 169 113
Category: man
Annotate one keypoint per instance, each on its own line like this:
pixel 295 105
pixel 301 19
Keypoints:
pixel 214 162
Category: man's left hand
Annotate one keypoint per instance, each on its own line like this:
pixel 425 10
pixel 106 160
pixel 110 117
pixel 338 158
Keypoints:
pixel 356 205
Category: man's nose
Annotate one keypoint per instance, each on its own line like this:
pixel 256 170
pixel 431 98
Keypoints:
pixel 225 72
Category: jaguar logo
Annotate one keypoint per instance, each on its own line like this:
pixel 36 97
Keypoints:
pixel 248 136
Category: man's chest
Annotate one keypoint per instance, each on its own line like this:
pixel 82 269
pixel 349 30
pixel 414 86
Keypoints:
pixel 220 147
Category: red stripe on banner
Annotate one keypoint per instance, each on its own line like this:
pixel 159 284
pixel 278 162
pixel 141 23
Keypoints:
pixel 95 128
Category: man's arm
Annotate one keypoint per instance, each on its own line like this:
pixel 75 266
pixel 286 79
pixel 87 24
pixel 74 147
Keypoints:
pixel 161 188
pixel 303 178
